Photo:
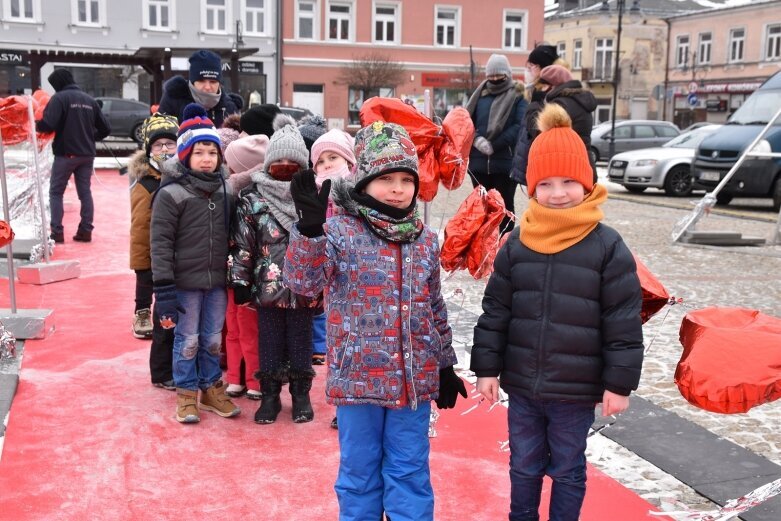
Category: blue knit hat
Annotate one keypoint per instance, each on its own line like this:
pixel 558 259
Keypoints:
pixel 205 65
pixel 196 126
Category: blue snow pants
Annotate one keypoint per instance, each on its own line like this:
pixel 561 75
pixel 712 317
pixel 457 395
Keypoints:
pixel 384 463
pixel 318 334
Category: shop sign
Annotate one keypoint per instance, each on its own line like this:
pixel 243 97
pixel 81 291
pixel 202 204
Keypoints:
pixel 444 80
pixel 9 56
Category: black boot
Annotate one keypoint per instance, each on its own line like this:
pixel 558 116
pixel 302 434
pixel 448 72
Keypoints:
pixel 300 385
pixel 270 405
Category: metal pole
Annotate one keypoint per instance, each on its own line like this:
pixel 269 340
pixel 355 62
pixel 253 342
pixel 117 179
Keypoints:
pixel 612 148
pixel 9 250
pixel 37 172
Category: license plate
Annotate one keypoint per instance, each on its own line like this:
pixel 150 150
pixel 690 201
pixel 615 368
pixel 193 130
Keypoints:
pixel 709 175
pixel 615 172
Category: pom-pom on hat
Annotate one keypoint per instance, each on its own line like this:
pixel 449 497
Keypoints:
pixel 286 143
pixel 555 75
pixel 543 55
pixel 381 148
pixel 558 151
pixel 498 64
pixel 205 65
pixel 246 153
pixel 259 119
pixel 311 128
pixel 335 140
pixel 196 126
pixel 158 126
pixel 227 136
pixel 60 78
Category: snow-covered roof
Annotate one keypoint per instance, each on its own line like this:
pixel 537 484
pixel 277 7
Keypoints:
pixel 660 8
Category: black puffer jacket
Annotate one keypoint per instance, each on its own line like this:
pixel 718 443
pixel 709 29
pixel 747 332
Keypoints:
pixel 176 96
pixel 189 231
pixel 564 326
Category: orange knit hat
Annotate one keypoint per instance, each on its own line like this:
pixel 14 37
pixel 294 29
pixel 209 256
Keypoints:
pixel 558 151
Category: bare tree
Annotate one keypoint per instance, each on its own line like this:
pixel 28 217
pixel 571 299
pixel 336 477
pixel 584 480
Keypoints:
pixel 372 71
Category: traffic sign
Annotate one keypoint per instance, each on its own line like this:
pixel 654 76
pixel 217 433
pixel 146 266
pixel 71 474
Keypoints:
pixel 692 99
pixel 692 87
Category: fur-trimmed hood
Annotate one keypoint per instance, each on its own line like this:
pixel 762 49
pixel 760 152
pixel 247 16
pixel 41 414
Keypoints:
pixel 138 166
pixel 340 195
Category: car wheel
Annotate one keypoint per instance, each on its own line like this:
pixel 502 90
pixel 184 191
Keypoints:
pixel 678 181
pixel 777 195
pixel 635 189
pixel 594 153
pixel 137 135
pixel 723 199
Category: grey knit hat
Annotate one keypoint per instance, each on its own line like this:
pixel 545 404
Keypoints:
pixel 381 148
pixel 498 64
pixel 286 143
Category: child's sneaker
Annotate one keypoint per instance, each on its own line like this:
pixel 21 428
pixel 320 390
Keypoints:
pixel 318 359
pixel 187 406
pixel 142 324
pixel 215 400
pixel 252 394
pixel 235 390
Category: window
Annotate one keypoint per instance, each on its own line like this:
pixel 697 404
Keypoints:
pixel 88 12
pixel 157 14
pixel 561 50
pixel 704 49
pixel 577 55
pixel 339 18
pixel 737 38
pixel 356 97
pixel 305 19
pixel 624 132
pixel 665 131
pixel 446 26
pixel 256 14
pixel 215 19
pixel 603 58
pixel 514 30
pixel 22 10
pixel 386 23
pixel 682 51
pixel 644 131
pixel 773 45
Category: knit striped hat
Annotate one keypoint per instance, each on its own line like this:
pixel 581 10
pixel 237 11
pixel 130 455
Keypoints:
pixel 196 126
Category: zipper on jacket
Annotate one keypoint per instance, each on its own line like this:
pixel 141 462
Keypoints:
pixel 211 207
pixel 543 325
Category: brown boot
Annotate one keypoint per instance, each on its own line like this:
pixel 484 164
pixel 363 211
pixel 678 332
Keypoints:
pixel 187 406
pixel 214 399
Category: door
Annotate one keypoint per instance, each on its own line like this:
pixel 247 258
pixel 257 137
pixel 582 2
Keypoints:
pixel 645 137
pixel 308 96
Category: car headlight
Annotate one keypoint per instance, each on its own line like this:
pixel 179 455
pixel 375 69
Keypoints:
pixel 646 162
pixel 763 147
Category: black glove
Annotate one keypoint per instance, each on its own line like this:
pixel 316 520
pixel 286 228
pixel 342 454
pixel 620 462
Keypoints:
pixel 311 206
pixel 167 305
pixel 450 386
pixel 242 295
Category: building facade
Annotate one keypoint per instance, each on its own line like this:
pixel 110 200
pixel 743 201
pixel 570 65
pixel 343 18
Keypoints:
pixel 717 58
pixel 117 35
pixel 338 53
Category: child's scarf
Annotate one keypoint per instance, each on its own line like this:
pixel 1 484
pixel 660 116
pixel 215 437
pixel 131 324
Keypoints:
pixel 404 230
pixel 549 230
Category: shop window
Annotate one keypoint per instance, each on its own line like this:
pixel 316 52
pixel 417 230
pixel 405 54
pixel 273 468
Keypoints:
pixel 356 97
pixel 446 100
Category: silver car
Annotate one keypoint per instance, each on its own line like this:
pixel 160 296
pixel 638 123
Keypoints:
pixel 630 135
pixel 667 167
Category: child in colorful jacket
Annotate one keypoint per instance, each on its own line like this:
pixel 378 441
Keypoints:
pixel 389 343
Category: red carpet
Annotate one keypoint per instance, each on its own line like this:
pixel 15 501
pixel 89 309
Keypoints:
pixel 90 438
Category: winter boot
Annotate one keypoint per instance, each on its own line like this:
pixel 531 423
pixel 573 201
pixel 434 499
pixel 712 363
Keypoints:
pixel 270 404
pixel 187 406
pixel 300 385
pixel 215 400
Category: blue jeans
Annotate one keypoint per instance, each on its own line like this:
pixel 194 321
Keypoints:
pixel 198 338
pixel 383 463
pixel 318 334
pixel 547 437
pixel 62 168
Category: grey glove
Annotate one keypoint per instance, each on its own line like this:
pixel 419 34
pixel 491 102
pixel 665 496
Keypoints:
pixel 483 145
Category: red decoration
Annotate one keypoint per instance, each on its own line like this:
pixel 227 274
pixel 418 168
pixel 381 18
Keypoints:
pixel 6 233
pixel 15 121
pixel 731 359
pixel 655 296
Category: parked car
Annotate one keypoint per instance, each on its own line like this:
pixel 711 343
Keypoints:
pixel 296 112
pixel 717 154
pixel 667 167
pixel 630 135
pixel 125 116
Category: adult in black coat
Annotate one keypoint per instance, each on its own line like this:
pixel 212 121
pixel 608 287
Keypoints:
pixel 202 87
pixel 77 122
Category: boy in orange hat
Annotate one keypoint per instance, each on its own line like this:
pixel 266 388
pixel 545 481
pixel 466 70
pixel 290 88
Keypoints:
pixel 560 325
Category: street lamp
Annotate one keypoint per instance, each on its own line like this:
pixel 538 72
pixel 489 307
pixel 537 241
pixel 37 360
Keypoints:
pixel 605 9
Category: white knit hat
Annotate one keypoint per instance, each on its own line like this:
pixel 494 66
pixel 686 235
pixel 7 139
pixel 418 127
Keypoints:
pixel 498 64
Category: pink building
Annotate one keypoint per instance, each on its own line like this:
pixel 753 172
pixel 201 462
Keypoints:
pixel 337 53
pixel 717 58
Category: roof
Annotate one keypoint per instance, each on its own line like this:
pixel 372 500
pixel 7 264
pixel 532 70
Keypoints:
pixel 655 8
